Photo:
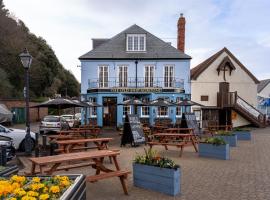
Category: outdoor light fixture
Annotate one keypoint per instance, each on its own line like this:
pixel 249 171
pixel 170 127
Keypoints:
pixel 26 60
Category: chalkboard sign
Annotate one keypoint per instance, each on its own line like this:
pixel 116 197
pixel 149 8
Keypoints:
pixel 132 133
pixel 189 121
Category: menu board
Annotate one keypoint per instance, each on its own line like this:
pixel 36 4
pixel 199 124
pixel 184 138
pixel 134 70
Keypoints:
pixel 189 121
pixel 132 133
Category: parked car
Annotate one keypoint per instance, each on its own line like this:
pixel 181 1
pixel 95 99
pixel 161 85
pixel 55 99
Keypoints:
pixel 70 119
pixel 53 123
pixel 17 135
pixel 10 148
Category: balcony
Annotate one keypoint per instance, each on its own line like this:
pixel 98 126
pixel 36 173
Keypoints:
pixel 157 82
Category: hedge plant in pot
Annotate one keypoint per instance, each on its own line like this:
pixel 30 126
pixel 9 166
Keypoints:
pixel 242 133
pixel 214 147
pixel 228 136
pixel 153 172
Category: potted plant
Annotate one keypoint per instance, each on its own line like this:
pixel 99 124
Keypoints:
pixel 215 147
pixel 228 136
pixel 62 187
pixel 153 172
pixel 242 133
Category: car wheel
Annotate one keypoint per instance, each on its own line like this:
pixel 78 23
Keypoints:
pixel 32 145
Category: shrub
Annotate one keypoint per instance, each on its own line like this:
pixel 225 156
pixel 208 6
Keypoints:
pixel 215 141
pixel 151 158
pixel 241 129
pixel 225 133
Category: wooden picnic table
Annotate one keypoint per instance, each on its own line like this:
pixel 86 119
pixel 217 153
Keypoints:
pixel 67 146
pixel 159 128
pixel 180 130
pixel 59 137
pixel 82 133
pixel 96 158
pixel 174 139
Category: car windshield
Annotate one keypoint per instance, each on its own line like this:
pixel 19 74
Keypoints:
pixel 68 117
pixel 51 119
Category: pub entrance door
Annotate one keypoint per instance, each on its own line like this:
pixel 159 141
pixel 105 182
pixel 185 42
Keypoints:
pixel 109 111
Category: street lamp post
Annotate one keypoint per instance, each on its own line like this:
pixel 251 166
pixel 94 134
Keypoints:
pixel 26 60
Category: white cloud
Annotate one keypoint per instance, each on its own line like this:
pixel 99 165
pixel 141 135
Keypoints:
pixel 69 25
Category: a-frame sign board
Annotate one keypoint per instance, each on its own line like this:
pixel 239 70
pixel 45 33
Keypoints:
pixel 189 121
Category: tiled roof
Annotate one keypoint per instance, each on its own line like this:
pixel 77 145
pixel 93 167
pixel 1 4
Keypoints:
pixel 115 48
pixel 262 85
pixel 196 71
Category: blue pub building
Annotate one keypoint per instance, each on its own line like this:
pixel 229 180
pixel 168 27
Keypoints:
pixel 135 63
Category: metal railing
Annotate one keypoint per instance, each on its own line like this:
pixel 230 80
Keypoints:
pixel 132 82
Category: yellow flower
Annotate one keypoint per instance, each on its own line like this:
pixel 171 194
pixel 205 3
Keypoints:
pixel 28 198
pixel 16 185
pixel 45 189
pixel 17 178
pixel 44 196
pixel 36 179
pixel 55 189
pixel 65 183
pixel 32 194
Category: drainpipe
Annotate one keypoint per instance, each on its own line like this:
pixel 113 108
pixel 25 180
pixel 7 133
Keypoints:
pixel 136 76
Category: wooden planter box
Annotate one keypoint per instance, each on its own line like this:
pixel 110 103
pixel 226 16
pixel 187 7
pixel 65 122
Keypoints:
pixel 230 139
pixel 162 180
pixel 243 135
pixel 214 151
pixel 9 170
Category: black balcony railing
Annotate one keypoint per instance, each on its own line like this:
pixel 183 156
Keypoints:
pixel 157 82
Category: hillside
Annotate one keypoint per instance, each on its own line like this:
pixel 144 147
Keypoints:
pixel 47 75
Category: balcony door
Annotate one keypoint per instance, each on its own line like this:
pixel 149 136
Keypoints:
pixel 103 76
pixel 123 75
pixel 168 76
pixel 149 76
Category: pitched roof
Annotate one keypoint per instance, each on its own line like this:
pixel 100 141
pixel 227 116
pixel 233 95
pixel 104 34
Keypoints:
pixel 115 48
pixel 196 71
pixel 262 85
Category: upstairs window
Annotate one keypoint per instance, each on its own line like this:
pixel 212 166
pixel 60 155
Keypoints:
pixel 168 76
pixel 136 42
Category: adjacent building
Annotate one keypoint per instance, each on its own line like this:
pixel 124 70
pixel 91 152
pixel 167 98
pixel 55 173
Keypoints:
pixel 135 63
pixel 228 91
pixel 264 96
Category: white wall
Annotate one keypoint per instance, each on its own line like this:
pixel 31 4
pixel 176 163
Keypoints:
pixel 265 92
pixel 208 84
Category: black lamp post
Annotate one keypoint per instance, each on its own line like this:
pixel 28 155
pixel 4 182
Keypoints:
pixel 26 60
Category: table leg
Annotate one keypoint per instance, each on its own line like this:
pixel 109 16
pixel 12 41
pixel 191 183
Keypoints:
pixel 33 169
pixel 194 144
pixel 53 168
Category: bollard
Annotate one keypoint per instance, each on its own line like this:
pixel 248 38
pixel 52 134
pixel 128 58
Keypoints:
pixel 3 152
pixel 36 145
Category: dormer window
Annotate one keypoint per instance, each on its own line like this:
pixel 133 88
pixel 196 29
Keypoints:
pixel 136 42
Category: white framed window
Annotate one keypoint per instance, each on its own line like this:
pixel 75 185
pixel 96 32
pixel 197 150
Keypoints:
pixel 123 75
pixel 168 75
pixel 178 108
pixel 93 110
pixel 136 42
pixel 145 110
pixel 126 108
pixel 149 75
pixel 103 76
pixel 163 111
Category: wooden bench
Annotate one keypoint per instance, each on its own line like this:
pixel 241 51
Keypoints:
pixel 50 164
pixel 165 144
pixel 122 174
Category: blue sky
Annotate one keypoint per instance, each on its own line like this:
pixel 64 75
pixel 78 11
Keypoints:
pixel 243 26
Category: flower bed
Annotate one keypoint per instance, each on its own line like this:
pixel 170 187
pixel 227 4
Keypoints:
pixel 228 136
pixel 214 148
pixel 156 173
pixel 43 188
pixel 242 134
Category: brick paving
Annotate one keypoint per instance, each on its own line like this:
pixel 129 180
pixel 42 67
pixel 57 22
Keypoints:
pixel 245 177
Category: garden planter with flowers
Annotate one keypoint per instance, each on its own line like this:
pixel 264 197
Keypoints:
pixel 214 148
pixel 157 173
pixel 62 187
pixel 242 134
pixel 229 137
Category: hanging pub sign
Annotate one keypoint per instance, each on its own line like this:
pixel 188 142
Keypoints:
pixel 189 121
pixel 132 133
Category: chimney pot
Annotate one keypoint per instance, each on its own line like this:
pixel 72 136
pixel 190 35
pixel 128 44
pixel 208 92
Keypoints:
pixel 181 33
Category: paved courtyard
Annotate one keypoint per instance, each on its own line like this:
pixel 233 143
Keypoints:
pixel 245 177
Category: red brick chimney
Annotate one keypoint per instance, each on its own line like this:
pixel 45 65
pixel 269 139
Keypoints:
pixel 181 33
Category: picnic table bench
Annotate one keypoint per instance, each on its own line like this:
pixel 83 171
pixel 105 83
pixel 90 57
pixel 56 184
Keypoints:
pixel 174 139
pixel 180 130
pixel 92 132
pixel 67 146
pixel 96 158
